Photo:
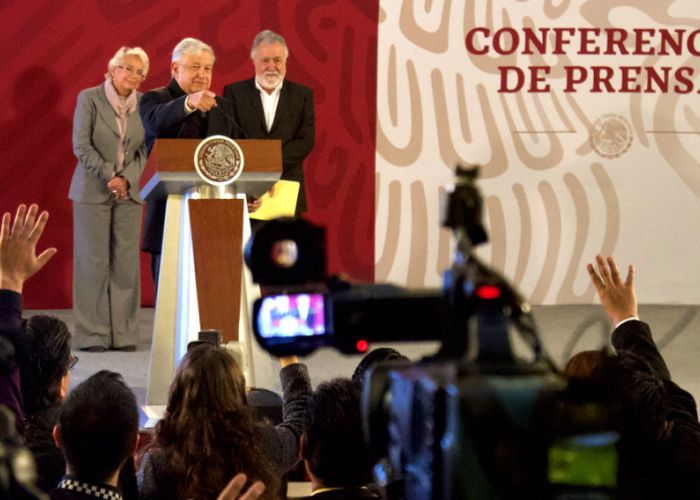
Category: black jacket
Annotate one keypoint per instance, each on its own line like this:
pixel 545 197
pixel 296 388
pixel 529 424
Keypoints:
pixel 164 117
pixel 294 124
pixel 671 469
pixel 50 465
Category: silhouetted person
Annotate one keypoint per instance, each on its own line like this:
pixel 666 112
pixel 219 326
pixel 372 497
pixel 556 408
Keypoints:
pixel 333 447
pixel 97 431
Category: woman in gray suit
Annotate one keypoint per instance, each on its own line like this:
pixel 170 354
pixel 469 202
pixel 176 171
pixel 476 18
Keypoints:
pixel 108 140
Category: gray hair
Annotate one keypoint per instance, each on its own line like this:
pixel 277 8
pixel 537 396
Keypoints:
pixel 118 59
pixel 270 37
pixel 191 47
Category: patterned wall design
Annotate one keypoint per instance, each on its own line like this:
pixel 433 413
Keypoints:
pixel 52 50
pixel 565 175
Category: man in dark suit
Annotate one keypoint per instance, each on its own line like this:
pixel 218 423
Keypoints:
pixel 270 107
pixel 660 446
pixel 186 108
pixel 333 447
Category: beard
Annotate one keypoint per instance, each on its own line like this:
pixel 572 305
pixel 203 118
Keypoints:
pixel 272 79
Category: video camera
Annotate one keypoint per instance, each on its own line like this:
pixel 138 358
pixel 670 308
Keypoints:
pixel 472 421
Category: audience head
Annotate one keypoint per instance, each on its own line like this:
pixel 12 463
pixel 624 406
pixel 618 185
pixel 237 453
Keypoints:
pixel 582 364
pixel 269 55
pixel 98 427
pixel 208 379
pixel 333 445
pixel 45 378
pixel 373 358
pixel 632 382
pixel 127 68
pixel 207 432
pixel 192 65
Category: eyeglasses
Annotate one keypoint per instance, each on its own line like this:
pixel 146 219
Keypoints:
pixel 196 68
pixel 72 361
pixel 131 71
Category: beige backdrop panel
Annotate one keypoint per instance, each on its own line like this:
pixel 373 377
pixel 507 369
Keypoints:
pixel 553 200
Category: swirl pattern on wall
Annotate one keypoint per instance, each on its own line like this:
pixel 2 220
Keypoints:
pixel 552 201
pixel 63 47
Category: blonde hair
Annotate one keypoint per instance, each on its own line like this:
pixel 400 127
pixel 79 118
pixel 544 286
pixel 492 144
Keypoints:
pixel 118 59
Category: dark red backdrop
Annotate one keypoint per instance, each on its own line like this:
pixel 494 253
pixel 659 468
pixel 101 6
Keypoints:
pixel 52 50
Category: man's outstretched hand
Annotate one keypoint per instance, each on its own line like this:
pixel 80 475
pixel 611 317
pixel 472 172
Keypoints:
pixel 618 297
pixel 18 258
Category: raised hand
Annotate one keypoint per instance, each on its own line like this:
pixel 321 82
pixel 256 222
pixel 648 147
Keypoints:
pixel 18 258
pixel 618 298
pixel 253 204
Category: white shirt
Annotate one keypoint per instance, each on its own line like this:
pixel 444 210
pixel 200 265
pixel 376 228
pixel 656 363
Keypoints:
pixel 269 102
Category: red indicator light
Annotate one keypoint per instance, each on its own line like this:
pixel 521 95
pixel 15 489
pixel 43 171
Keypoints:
pixel 488 292
pixel 362 346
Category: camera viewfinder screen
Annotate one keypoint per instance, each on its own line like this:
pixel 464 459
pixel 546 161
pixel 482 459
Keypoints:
pixel 298 315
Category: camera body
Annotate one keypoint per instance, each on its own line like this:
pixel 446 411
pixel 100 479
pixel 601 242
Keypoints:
pixel 470 422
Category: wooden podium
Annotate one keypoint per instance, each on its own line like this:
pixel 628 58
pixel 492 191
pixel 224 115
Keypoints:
pixel 203 284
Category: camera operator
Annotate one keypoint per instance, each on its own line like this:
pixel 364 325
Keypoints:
pixel 660 456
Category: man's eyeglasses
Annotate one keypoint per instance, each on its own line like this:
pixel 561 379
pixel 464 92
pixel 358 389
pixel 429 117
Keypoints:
pixel 72 361
pixel 196 68
pixel 131 71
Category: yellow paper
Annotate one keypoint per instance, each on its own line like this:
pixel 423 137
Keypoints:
pixel 281 204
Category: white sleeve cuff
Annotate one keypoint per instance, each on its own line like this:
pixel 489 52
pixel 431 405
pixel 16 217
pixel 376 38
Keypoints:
pixel 631 318
pixel 188 110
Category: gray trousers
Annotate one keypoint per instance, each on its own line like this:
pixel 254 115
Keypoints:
pixel 106 273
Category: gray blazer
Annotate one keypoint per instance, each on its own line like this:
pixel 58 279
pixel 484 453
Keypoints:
pixel 95 143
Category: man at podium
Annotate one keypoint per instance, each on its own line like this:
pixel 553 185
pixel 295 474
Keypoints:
pixel 270 107
pixel 187 109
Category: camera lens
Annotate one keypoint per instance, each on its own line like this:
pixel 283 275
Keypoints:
pixel 285 253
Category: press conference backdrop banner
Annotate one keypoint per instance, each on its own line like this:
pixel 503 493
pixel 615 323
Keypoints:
pixel 52 50
pixel 584 117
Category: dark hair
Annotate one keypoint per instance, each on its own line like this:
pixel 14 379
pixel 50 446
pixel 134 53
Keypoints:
pixel 640 392
pixel 334 447
pixel 99 423
pixel 48 361
pixel 207 434
pixel 373 358
pixel 582 364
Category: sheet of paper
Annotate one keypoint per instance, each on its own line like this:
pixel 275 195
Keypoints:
pixel 281 204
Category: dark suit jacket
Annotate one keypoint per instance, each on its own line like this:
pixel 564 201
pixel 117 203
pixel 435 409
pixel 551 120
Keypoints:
pixel 294 124
pixel 163 116
pixel 671 467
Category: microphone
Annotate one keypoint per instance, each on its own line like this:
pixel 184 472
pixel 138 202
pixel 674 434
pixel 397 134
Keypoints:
pixel 220 101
